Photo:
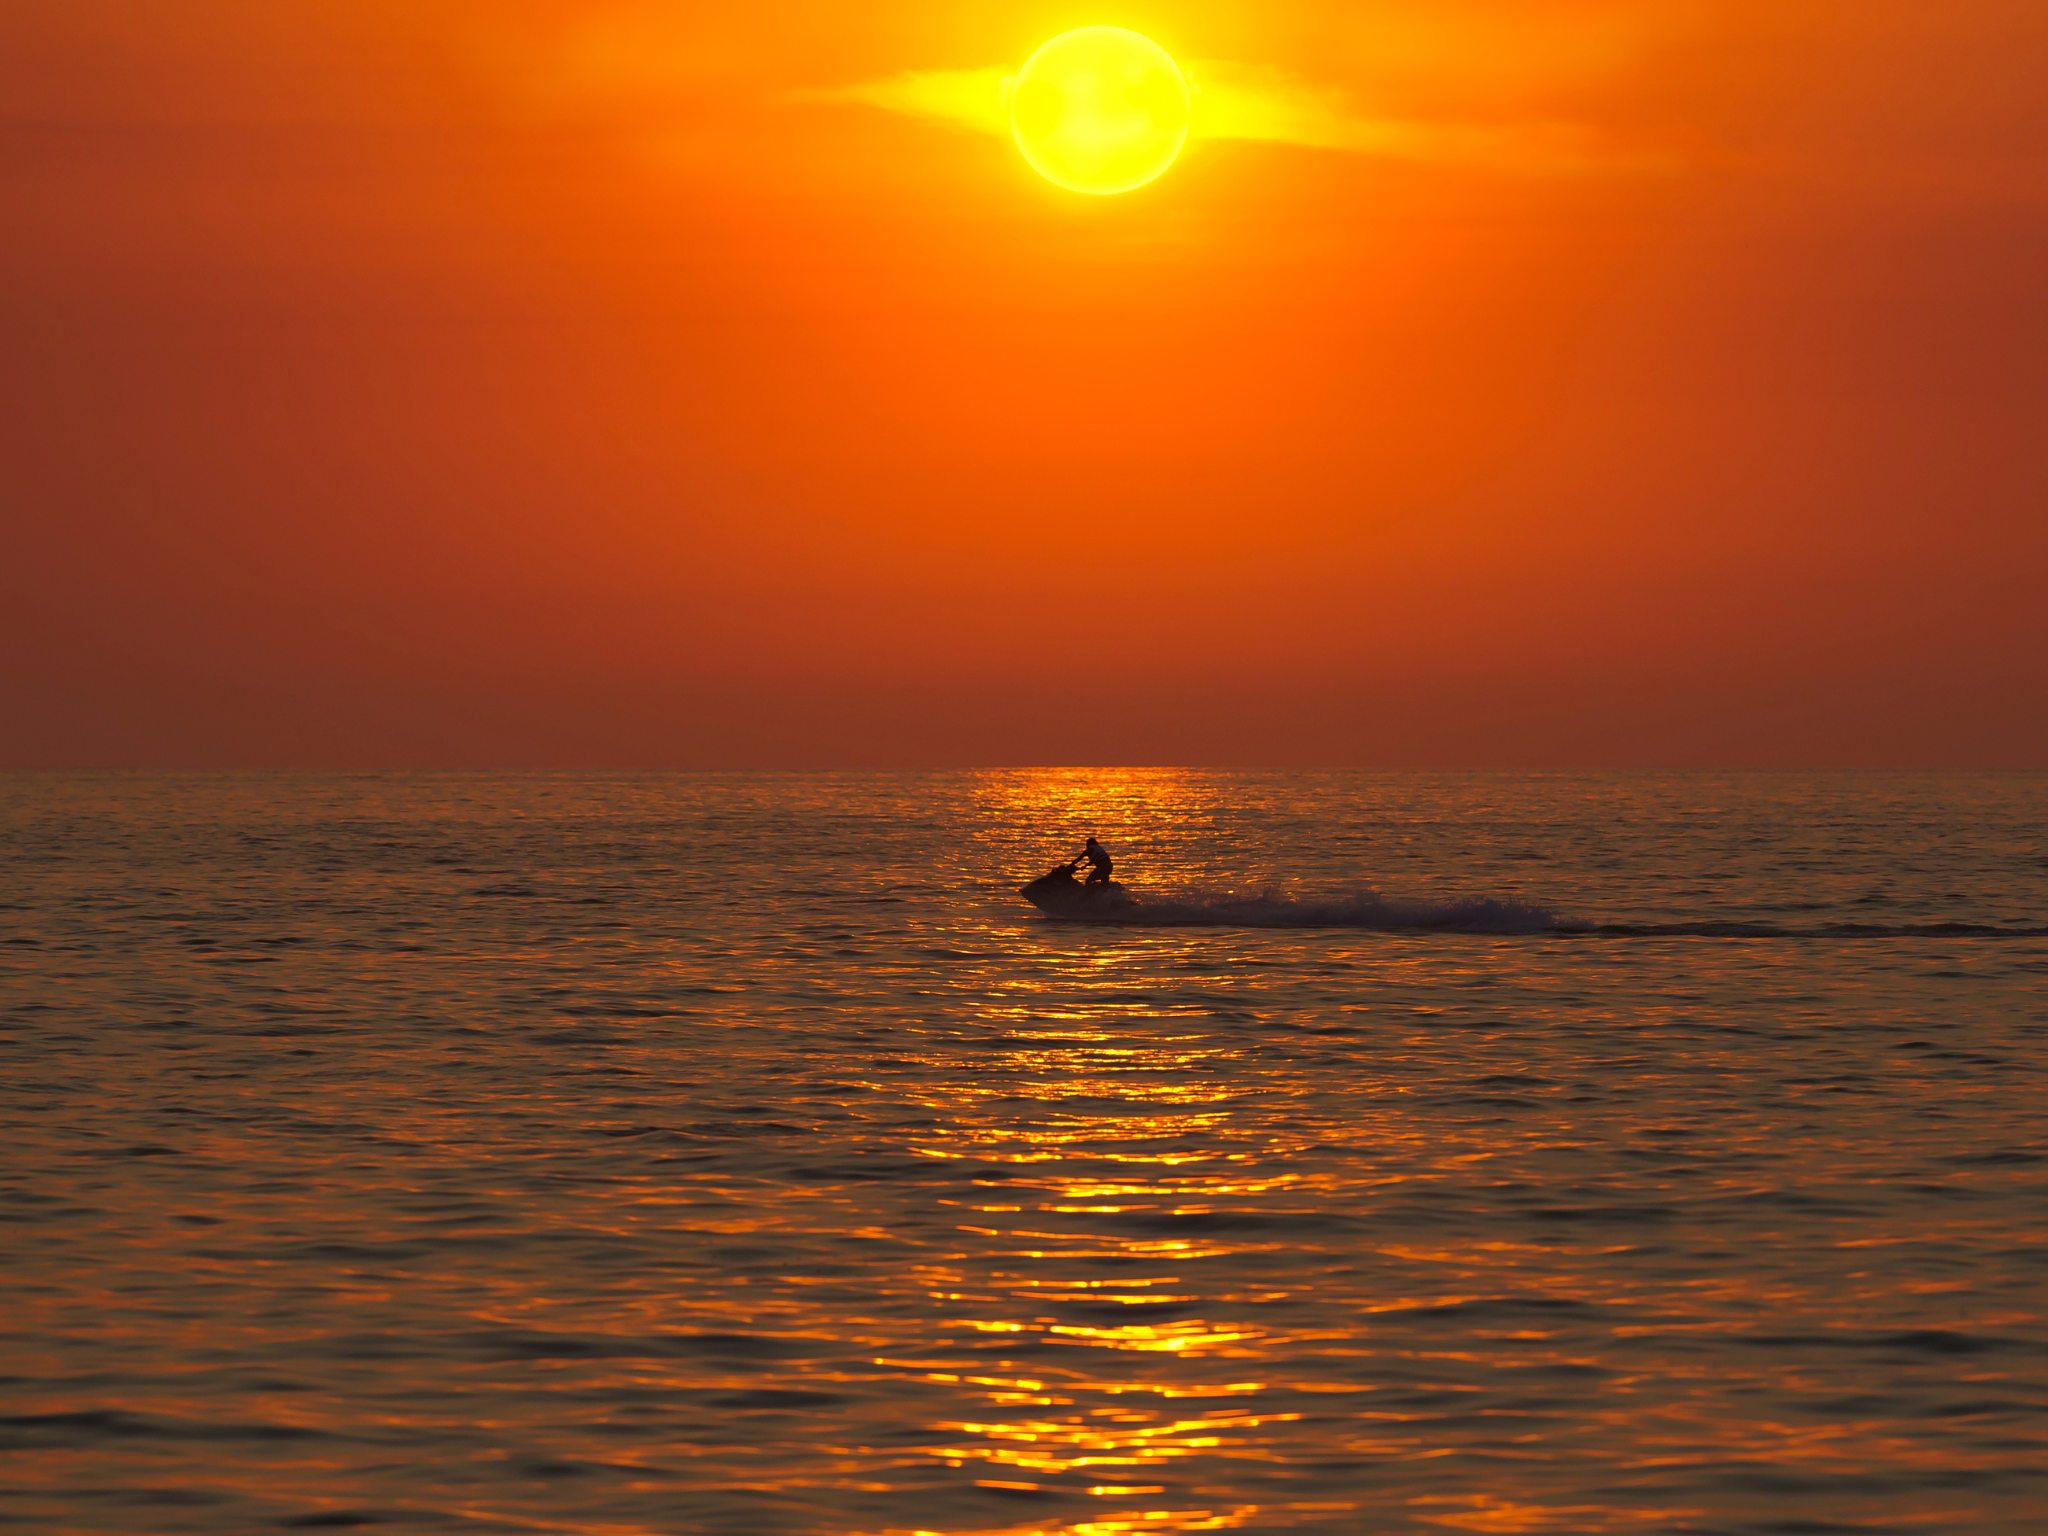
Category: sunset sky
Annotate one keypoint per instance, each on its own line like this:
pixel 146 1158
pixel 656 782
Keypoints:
pixel 612 383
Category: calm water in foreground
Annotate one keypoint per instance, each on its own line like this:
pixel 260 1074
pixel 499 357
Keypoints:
pixel 737 1154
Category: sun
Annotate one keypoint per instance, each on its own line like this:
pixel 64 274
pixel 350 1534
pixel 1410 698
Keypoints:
pixel 1100 110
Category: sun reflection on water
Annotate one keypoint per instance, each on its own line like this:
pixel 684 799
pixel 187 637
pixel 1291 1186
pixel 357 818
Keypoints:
pixel 450 1170
pixel 1105 1110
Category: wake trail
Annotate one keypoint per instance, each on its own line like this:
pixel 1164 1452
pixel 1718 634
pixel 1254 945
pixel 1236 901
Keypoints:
pixel 1370 911
pixel 1737 930
pixel 1494 916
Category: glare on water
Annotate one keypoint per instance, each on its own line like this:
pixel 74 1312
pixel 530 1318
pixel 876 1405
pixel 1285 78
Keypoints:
pixel 739 1154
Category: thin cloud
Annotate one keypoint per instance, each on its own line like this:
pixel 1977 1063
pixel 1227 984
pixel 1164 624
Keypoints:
pixel 1253 102
pixel 1242 101
pixel 977 99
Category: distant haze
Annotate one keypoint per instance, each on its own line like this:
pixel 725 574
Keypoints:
pixel 619 384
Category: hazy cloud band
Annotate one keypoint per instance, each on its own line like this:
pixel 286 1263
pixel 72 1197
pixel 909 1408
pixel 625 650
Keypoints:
pixel 1242 101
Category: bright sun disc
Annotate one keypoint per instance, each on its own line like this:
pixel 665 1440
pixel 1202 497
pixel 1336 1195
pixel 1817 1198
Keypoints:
pixel 1100 110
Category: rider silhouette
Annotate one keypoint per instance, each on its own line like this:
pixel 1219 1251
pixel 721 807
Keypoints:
pixel 1098 874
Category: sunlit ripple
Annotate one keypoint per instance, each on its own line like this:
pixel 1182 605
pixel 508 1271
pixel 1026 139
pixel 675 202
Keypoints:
pixel 646 1201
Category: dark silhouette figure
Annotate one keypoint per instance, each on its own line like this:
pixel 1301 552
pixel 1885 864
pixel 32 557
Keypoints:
pixel 1098 873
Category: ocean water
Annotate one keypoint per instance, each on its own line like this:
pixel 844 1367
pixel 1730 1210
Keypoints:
pixel 738 1154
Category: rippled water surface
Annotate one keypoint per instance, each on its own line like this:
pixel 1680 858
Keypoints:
pixel 739 1154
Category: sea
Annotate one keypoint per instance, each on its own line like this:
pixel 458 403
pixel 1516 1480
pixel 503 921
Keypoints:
pixel 628 1155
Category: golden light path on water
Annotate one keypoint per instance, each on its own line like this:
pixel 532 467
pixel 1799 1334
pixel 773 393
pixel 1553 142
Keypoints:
pixel 738 1155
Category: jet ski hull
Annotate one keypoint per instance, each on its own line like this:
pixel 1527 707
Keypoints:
pixel 1060 895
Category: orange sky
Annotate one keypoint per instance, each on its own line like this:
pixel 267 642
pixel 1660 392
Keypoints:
pixel 604 382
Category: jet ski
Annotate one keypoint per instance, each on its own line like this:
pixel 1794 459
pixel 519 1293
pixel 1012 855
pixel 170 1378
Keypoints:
pixel 1058 894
